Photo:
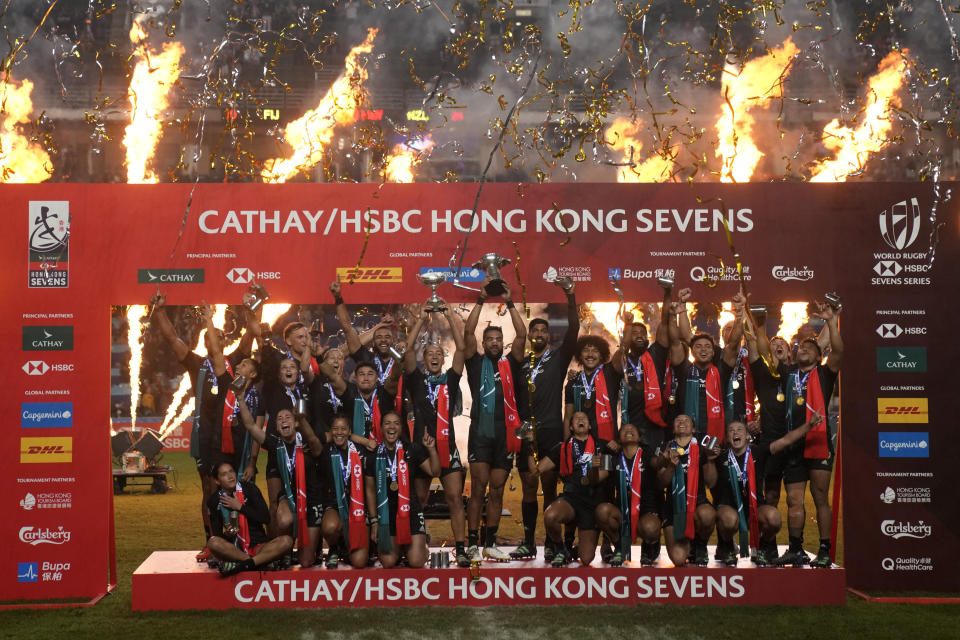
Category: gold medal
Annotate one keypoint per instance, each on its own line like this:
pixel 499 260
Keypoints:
pixel 673 400
pixel 800 402
pixel 781 397
pixel 736 384
pixel 533 387
pixel 584 480
pixel 681 451
pixel 214 390
pixel 394 486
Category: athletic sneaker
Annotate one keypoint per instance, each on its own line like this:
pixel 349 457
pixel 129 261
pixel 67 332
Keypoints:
pixel 649 553
pixel 549 551
pixel 793 558
pixel 561 559
pixel 729 557
pixel 495 554
pixel 204 555
pixel 463 560
pixel 333 559
pixel 231 567
pixel 524 552
pixel 701 557
pixel 473 552
pixel 723 550
pixel 760 558
pixel 822 561
pixel 606 552
pixel 770 551
pixel 616 559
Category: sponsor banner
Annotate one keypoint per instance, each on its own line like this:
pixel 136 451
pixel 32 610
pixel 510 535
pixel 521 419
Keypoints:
pixel 170 276
pixel 42 368
pixel 911 495
pixel 786 274
pixel 48 338
pixel 913 530
pixel 156 588
pixel 467 273
pixel 47 500
pixel 48 233
pixel 912 563
pixel 53 415
pixel 903 359
pixel 42 571
pixel 902 410
pixel 904 444
pixel 370 275
pixel 43 450
pixel 34 535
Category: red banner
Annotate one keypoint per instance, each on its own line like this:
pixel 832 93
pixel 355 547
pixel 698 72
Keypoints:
pixel 869 242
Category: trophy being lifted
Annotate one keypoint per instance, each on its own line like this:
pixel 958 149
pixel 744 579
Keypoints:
pixel 255 296
pixel 491 263
pixel 433 279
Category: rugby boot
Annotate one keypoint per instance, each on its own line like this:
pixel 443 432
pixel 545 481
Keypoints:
pixel 524 552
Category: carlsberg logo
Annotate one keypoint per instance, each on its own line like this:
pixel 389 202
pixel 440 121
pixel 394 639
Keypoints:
pixel 897 530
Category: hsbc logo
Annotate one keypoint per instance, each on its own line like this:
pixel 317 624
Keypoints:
pixel 39 367
pixel 887 268
pixel 889 330
pixel 900 226
pixel 243 275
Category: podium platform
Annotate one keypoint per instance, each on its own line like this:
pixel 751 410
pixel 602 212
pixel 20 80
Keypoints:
pixel 173 580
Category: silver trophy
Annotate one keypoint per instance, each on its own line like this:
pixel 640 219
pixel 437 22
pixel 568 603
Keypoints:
pixel 833 300
pixel 617 290
pixel 708 441
pixel 433 279
pixel 238 383
pixel 608 462
pixel 565 283
pixel 665 283
pixel 491 263
pixel 257 295
pixel 759 313
pixel 301 407
pixel 396 352
pixel 524 431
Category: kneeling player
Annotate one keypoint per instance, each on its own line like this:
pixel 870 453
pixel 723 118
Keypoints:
pixel 688 515
pixel 740 496
pixel 578 460
pixel 238 514
pixel 637 500
pixel 344 521
pixel 398 525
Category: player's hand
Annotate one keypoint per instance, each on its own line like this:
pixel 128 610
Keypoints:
pixel 231 502
pixel 428 441
pixel 249 473
pixel 336 287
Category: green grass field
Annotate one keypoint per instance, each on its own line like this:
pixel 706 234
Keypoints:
pixel 146 522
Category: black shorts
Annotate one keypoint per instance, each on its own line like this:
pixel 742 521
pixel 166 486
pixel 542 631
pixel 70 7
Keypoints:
pixel 788 466
pixel 819 464
pixel 273 471
pixel 547 439
pixel 453 466
pixel 583 509
pixel 490 451
pixel 315 513
pixel 418 526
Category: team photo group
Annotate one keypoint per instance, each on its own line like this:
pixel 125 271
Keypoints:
pixel 664 438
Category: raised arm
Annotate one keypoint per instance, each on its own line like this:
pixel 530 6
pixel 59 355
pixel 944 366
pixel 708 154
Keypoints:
pixel 683 318
pixel 456 330
pixel 316 447
pixel 470 325
pixel 663 329
pixel 432 464
pixel 519 327
pixel 835 357
pixel 214 348
pixel 678 347
pixel 794 436
pixel 162 322
pixel 410 354
pixel 257 433
pixel 732 347
pixel 336 380
pixel 353 340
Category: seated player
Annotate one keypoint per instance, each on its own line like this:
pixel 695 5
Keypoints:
pixel 397 525
pixel 344 521
pixel 578 460
pixel 238 515
pixel 688 515
pixel 636 501
pixel 739 494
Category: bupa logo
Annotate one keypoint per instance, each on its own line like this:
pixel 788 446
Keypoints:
pixel 887 268
pixel 614 274
pixel 35 367
pixel 889 330
pixel 240 275
pixel 27 572
pixel 900 226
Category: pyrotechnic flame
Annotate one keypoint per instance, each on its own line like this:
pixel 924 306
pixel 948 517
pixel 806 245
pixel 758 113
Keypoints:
pixel 656 168
pixel 759 81
pixel 310 134
pixel 404 157
pixel 793 315
pixel 271 312
pixel 149 95
pixel 726 316
pixel 134 336
pixel 20 159
pixel 172 418
pixel 852 147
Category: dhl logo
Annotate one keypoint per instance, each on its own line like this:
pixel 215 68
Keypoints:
pixel 370 274
pixel 46 450
pixel 902 410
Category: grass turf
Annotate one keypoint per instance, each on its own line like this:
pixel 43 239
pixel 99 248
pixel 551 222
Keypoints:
pixel 146 522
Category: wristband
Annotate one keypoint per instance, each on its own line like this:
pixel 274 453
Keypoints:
pixel 338 299
pixel 481 299
pixel 509 304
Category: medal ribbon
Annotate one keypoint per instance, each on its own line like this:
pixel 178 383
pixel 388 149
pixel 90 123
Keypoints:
pixel 606 425
pixel 630 476
pixel 382 373
pixel 715 421
pixel 403 497
pixel 443 423
pixel 350 505
pixel 815 442
pixel 243 535
pixel 684 488
pixel 383 502
pixel 652 393
pixel 510 413
pixel 536 370
pixel 740 480
pixel 570 455
pixel 230 409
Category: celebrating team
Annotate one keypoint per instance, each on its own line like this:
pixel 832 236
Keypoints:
pixel 659 436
